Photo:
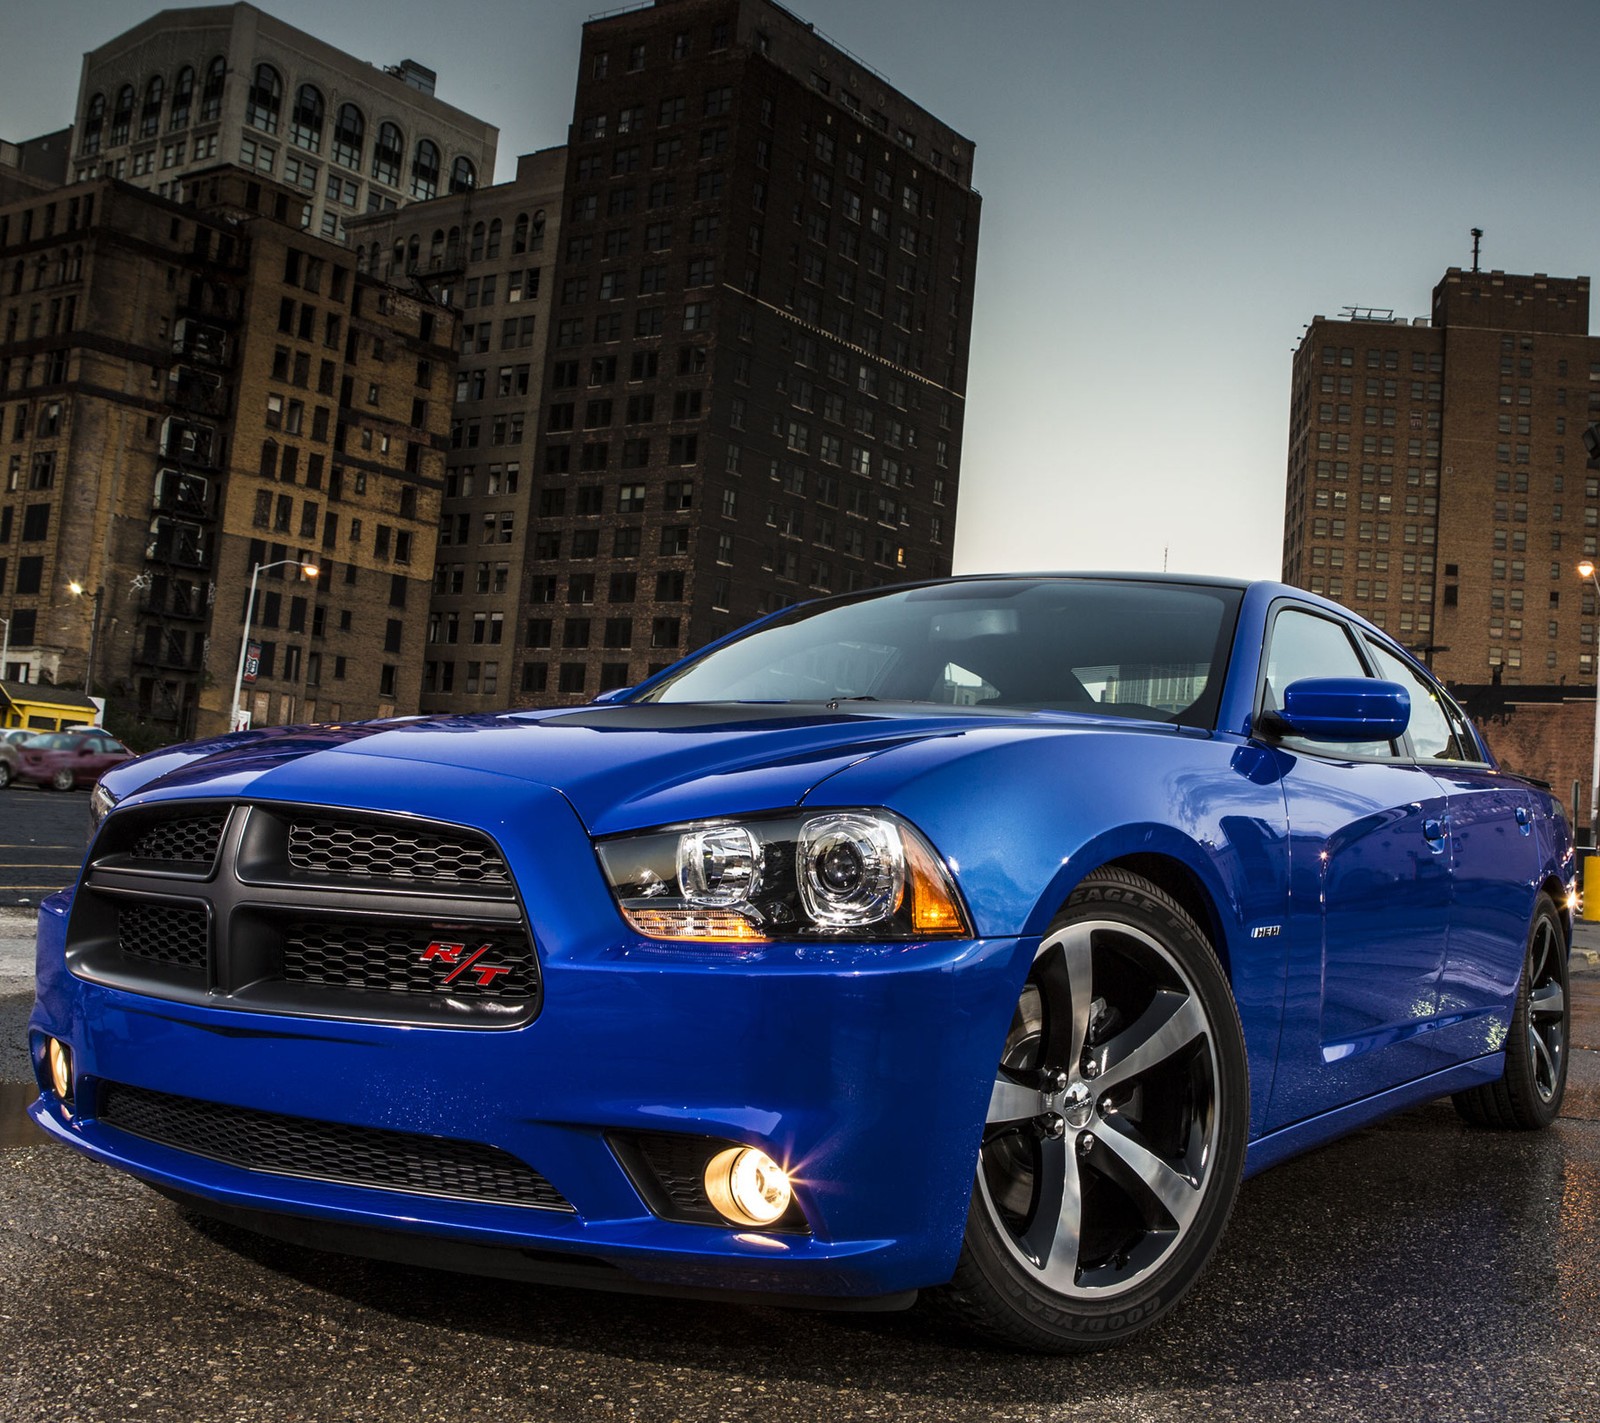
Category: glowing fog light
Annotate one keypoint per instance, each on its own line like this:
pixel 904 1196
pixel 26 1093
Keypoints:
pixel 59 1056
pixel 747 1186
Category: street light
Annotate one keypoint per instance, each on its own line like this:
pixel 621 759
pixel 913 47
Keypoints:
pixel 309 570
pixel 1586 569
pixel 77 590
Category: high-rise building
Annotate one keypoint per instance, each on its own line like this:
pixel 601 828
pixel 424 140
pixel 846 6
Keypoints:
pixel 755 380
pixel 1437 485
pixel 1436 474
pixel 486 253
pixel 190 88
pixel 190 392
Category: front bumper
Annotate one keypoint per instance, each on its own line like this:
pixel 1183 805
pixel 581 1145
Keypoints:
pixel 863 1069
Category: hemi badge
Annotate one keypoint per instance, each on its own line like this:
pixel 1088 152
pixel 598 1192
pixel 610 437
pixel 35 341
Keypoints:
pixel 1266 931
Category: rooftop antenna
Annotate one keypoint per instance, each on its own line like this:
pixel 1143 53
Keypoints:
pixel 1164 549
pixel 1477 237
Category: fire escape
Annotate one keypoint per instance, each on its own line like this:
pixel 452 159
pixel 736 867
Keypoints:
pixel 178 583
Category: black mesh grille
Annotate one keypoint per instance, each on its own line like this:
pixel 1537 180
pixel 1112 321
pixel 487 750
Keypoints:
pixel 163 933
pixel 191 840
pixel 360 954
pixel 679 1166
pixel 365 851
pixel 328 1151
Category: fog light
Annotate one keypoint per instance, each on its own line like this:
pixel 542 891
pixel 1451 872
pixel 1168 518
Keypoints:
pixel 60 1057
pixel 747 1186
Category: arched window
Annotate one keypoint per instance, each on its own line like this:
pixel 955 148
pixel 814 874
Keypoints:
pixel 463 176
pixel 425 170
pixel 266 99
pixel 387 155
pixel 479 232
pixel 211 95
pixel 305 127
pixel 122 115
pixel 413 253
pixel 182 98
pixel 349 132
pixel 452 246
pixel 536 232
pixel 94 122
pixel 399 255
pixel 150 115
pixel 519 234
pixel 493 249
pixel 436 247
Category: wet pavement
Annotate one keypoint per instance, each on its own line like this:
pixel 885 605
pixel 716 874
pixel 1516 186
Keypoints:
pixel 1415 1270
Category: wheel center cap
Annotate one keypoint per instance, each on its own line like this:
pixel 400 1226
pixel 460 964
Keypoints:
pixel 1077 1103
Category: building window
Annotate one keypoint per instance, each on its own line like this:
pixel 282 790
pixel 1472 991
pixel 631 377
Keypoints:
pixel 386 155
pixel 265 99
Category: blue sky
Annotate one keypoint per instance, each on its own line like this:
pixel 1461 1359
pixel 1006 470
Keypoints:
pixel 1171 191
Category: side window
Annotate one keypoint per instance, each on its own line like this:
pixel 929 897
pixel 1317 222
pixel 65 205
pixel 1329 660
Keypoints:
pixel 1304 644
pixel 1433 732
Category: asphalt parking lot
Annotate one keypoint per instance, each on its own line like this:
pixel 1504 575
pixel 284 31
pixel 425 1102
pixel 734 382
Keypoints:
pixel 1416 1270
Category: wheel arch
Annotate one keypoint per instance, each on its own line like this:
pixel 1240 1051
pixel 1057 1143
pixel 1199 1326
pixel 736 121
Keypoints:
pixel 1168 860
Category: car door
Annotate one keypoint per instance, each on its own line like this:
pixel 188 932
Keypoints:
pixel 1369 897
pixel 1494 862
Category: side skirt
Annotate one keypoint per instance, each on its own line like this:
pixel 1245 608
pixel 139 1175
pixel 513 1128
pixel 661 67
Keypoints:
pixel 1318 1131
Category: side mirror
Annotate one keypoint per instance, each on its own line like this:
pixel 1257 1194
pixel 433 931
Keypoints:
pixel 1341 709
pixel 616 694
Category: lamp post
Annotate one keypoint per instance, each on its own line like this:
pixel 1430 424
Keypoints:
pixel 77 590
pixel 1586 569
pixel 309 570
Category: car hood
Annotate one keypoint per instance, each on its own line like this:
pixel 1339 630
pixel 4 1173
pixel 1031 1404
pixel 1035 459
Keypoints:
pixel 621 767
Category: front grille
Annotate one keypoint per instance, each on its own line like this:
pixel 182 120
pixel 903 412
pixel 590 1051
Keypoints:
pixel 190 839
pixel 361 955
pixel 328 1151
pixel 283 908
pixel 362 850
pixel 164 933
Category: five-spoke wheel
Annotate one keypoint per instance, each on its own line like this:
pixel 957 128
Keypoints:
pixel 1116 1126
pixel 1529 1096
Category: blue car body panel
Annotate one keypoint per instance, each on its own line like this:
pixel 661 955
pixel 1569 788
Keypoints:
pixel 1370 917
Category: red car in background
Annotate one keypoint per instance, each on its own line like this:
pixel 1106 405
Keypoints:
pixel 65 759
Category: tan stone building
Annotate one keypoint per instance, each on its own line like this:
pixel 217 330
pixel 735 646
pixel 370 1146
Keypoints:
pixel 1437 483
pixel 189 392
pixel 190 88
pixel 488 253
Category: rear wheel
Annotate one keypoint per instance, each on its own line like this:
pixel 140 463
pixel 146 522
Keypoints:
pixel 1529 1096
pixel 62 780
pixel 1116 1128
pixel 5 774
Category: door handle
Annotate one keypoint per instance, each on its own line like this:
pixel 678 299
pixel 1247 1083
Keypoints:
pixel 1433 832
pixel 1522 820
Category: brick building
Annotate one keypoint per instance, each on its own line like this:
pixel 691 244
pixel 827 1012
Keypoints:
pixel 1437 483
pixel 188 89
pixel 486 253
pixel 755 379
pixel 187 392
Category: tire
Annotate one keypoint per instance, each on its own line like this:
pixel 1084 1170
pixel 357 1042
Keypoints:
pixel 63 780
pixel 1116 1128
pixel 5 774
pixel 1528 1097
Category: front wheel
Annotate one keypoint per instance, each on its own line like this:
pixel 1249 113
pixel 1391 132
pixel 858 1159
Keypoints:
pixel 1529 1096
pixel 5 774
pixel 1116 1128
pixel 62 780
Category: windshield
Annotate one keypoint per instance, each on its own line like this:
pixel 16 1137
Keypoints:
pixel 1147 650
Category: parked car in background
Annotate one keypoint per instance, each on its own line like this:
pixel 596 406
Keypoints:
pixel 63 760
pixel 10 758
pixel 969 937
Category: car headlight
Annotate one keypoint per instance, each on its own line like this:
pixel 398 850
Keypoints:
pixel 856 873
pixel 101 802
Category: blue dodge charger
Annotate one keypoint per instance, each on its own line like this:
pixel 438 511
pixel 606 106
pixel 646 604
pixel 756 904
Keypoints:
pixel 970 939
